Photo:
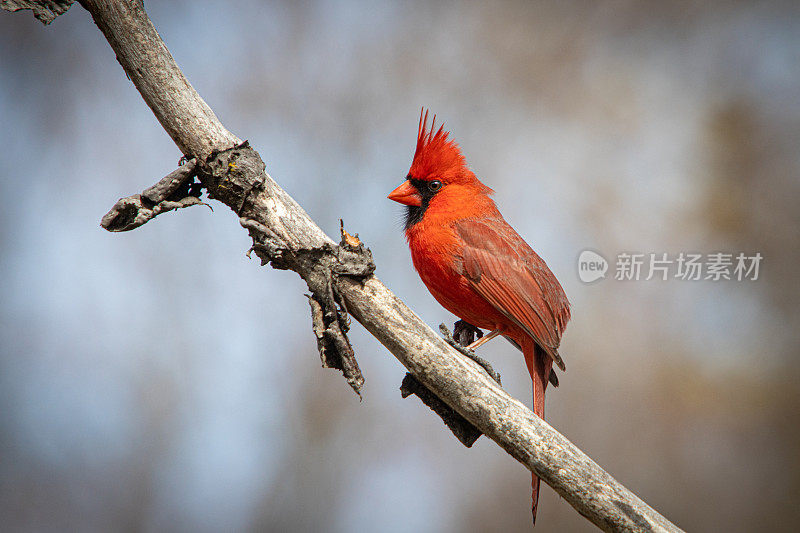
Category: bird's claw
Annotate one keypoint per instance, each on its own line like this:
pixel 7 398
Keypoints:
pixel 448 338
pixel 465 333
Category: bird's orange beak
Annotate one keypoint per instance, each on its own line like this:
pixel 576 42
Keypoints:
pixel 406 194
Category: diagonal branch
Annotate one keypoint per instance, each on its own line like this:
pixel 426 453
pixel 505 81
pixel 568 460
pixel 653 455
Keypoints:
pixel 284 235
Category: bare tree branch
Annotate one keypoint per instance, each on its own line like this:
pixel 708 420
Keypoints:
pixel 341 281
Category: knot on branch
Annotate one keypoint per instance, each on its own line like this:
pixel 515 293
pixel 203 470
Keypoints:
pixel 232 175
pixel 321 268
pixel 174 191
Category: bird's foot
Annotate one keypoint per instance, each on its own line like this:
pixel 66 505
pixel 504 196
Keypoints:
pixel 465 333
pixel 467 352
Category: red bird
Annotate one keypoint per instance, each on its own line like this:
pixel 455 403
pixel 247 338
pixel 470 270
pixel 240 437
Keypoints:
pixel 475 264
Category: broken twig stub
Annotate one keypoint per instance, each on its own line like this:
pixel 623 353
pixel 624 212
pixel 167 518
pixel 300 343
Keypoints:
pixel 174 191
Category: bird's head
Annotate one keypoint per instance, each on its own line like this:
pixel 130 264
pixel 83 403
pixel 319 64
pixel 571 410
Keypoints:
pixel 437 170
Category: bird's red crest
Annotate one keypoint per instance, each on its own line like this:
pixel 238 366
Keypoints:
pixel 435 154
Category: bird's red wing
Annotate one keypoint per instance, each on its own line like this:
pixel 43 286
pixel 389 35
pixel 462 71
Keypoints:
pixel 504 270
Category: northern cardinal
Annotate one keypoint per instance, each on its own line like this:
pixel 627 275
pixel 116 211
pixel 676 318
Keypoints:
pixel 475 264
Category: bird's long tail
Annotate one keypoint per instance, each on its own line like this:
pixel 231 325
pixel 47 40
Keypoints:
pixel 539 366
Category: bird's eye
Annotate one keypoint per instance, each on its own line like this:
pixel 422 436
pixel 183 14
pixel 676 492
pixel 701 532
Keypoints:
pixel 434 185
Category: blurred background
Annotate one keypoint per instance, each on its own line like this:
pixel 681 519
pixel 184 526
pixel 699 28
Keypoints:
pixel 160 381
